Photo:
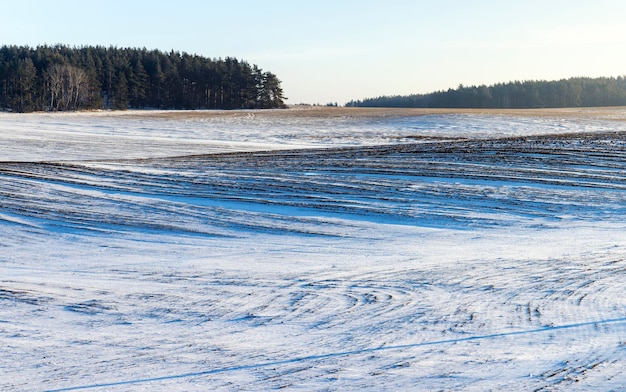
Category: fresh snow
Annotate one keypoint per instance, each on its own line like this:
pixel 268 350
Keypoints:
pixel 254 251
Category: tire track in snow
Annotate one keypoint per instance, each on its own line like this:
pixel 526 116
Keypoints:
pixel 349 353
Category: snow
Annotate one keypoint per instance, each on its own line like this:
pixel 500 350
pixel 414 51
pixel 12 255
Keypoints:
pixel 253 251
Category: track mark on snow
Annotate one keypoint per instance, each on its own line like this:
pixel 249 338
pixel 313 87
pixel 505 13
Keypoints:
pixel 594 324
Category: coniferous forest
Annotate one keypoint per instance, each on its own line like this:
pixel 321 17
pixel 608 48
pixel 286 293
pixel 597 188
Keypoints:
pixel 57 78
pixel 573 92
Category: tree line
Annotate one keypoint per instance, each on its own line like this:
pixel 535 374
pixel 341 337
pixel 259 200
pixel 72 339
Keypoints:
pixel 572 92
pixel 57 78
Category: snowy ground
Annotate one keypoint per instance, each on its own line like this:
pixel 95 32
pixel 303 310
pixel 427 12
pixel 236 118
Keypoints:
pixel 266 250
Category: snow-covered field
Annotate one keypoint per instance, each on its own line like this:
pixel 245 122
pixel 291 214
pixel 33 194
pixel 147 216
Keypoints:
pixel 148 251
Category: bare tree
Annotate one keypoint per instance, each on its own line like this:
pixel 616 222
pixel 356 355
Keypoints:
pixel 67 87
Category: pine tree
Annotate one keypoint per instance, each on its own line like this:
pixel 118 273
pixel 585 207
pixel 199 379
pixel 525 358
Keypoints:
pixel 120 100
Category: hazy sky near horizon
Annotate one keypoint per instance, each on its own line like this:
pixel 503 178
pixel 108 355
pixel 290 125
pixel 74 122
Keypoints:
pixel 338 50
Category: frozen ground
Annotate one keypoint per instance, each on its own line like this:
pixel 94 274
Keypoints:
pixel 256 251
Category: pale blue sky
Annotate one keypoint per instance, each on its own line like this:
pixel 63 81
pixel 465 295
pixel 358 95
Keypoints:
pixel 337 50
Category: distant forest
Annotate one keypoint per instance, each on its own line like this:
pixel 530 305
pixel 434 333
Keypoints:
pixel 573 92
pixel 58 78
